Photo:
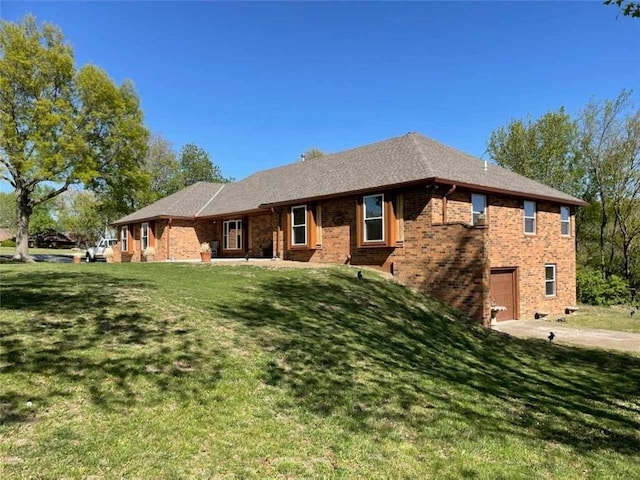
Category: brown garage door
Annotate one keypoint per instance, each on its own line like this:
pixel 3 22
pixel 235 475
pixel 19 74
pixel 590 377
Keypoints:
pixel 503 292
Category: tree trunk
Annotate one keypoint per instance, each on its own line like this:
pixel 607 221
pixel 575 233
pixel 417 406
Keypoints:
pixel 23 205
pixel 603 226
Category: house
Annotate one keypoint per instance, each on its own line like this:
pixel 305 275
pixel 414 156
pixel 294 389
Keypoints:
pixel 5 234
pixel 470 233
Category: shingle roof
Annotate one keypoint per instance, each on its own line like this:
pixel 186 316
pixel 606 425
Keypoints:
pixel 183 204
pixel 408 159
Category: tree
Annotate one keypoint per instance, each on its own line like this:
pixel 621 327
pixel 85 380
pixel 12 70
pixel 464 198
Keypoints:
pixel 78 214
pixel 629 9
pixel 60 125
pixel 546 150
pixel 164 170
pixel 8 217
pixel 610 141
pixel 312 152
pixel 196 166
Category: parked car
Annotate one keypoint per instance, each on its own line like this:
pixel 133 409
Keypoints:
pixel 51 239
pixel 96 252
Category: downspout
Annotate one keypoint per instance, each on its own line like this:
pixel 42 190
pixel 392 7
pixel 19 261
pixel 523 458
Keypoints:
pixel 168 235
pixel 444 203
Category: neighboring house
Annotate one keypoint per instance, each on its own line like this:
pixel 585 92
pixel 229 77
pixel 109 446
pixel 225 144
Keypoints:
pixel 449 224
pixel 5 234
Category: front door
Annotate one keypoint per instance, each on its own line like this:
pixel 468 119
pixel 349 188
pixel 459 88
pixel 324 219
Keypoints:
pixel 503 292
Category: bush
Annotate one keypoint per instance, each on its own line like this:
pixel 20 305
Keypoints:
pixel 596 290
pixel 7 243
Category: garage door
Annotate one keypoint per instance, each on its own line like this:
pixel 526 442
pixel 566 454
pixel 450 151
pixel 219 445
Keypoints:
pixel 503 292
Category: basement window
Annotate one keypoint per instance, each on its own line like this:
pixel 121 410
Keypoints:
pixel 550 280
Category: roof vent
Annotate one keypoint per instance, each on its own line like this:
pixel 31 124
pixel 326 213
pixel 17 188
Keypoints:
pixel 486 166
pixel 302 157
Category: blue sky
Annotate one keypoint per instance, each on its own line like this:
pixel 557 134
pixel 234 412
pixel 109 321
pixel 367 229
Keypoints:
pixel 256 84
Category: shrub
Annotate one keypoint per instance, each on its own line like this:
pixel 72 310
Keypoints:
pixel 594 289
pixel 7 243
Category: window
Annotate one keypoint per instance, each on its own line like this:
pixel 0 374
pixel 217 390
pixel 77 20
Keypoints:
pixel 478 207
pixel 299 225
pixel 529 216
pixel 232 235
pixel 124 236
pixel 565 221
pixel 373 218
pixel 550 280
pixel 144 236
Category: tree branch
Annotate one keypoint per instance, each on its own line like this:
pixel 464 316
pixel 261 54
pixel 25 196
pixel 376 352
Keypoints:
pixel 55 193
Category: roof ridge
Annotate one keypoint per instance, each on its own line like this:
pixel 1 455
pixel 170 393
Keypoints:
pixel 211 199
pixel 423 156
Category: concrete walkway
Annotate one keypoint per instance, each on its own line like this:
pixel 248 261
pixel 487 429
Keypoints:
pixel 607 339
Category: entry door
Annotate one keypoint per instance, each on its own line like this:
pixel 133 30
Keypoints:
pixel 503 292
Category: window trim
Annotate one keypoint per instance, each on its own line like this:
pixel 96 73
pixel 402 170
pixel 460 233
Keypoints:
pixel 144 238
pixel 553 281
pixel 525 217
pixel 305 225
pixel 382 218
pixel 484 210
pixel 566 222
pixel 225 235
pixel 124 238
pixel 390 226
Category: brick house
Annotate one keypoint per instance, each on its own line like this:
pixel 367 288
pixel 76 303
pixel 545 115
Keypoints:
pixel 470 233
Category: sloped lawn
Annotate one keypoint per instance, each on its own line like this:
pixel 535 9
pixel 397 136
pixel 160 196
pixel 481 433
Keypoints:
pixel 198 371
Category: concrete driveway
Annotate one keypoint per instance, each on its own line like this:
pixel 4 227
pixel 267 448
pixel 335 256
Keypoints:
pixel 48 258
pixel 606 339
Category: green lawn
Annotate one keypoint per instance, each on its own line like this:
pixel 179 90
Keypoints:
pixel 608 318
pixel 200 371
pixel 617 318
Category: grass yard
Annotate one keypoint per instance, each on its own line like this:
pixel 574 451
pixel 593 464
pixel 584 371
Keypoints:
pixel 201 371
pixel 616 318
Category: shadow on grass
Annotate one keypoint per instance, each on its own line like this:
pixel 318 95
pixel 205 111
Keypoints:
pixel 374 353
pixel 61 332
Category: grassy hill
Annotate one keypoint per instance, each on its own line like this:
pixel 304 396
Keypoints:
pixel 198 371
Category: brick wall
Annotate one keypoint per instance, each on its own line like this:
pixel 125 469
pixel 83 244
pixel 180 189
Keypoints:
pixel 446 261
pixel 509 246
pixel 261 235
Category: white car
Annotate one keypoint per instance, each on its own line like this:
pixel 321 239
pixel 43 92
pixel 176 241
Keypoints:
pixel 96 252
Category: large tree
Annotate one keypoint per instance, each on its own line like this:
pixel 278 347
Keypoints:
pixel 546 149
pixel 196 166
pixel 162 166
pixel 60 125
pixel 610 142
pixel 78 215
